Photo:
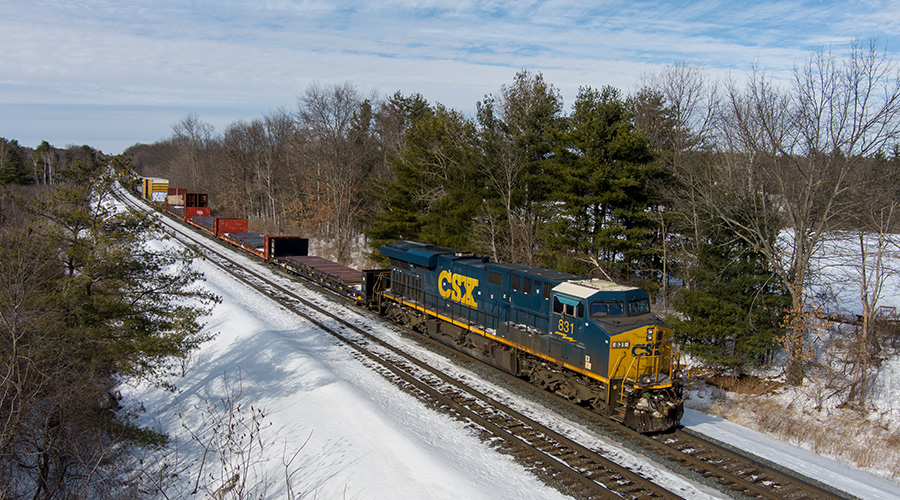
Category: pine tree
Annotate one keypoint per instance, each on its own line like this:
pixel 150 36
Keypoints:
pixel 12 163
pixel 85 302
pixel 733 306
pixel 601 177
pixel 436 190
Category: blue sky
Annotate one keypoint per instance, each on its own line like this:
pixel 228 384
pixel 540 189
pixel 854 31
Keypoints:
pixel 111 73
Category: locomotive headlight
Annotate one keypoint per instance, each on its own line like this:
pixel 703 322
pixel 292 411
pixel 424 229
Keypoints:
pixel 678 375
pixel 646 379
pixel 650 334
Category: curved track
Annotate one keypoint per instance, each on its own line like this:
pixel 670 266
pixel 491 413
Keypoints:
pixel 569 466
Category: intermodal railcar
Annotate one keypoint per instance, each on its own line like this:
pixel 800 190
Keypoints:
pixel 591 341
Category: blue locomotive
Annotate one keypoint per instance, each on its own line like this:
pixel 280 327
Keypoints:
pixel 591 341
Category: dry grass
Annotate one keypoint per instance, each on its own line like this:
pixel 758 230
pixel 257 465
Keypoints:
pixel 849 437
pixel 745 384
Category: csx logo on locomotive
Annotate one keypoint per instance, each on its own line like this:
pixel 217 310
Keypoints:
pixel 646 349
pixel 458 288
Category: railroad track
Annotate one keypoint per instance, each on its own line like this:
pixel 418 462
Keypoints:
pixel 737 474
pixel 574 469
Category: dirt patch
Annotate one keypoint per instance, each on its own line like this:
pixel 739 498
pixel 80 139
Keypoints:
pixel 744 384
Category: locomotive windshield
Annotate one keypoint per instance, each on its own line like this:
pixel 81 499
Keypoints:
pixel 602 309
pixel 639 306
pixel 607 309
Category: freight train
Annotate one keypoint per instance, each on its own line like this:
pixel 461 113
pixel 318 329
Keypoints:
pixel 591 341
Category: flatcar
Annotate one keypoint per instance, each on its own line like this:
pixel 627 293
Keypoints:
pixel 591 341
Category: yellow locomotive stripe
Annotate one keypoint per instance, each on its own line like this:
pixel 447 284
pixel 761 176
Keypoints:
pixel 500 340
pixel 563 335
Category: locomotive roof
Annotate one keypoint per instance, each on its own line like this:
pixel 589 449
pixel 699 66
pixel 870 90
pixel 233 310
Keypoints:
pixel 425 255
pixel 420 254
pixel 537 272
pixel 586 288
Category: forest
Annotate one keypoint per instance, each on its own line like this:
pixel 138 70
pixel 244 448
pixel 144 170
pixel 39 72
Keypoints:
pixel 717 197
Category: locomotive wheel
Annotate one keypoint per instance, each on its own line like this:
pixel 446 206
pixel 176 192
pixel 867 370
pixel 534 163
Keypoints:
pixel 545 379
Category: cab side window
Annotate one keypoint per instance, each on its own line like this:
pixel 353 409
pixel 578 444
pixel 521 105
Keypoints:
pixel 558 306
pixel 568 309
pixel 640 306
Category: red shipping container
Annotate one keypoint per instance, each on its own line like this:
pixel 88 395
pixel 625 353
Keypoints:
pixel 196 211
pixel 175 197
pixel 229 225
pixel 197 200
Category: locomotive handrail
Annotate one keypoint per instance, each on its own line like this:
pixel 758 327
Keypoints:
pixel 636 365
pixel 615 369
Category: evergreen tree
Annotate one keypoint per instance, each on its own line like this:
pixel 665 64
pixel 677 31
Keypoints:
pixel 519 130
pixel 436 189
pixel 85 301
pixel 601 179
pixel 734 306
pixel 393 121
pixel 12 163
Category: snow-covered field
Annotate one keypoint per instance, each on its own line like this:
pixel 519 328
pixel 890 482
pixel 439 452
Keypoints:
pixel 297 415
pixel 357 436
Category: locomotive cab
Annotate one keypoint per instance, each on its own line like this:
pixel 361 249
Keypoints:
pixel 626 344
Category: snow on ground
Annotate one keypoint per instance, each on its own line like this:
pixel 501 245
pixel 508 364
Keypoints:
pixel 814 466
pixel 838 273
pixel 358 436
pixel 333 428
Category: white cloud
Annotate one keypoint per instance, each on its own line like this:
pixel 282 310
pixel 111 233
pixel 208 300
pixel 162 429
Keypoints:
pixel 262 54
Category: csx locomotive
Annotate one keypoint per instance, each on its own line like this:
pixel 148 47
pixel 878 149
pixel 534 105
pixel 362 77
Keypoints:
pixel 591 341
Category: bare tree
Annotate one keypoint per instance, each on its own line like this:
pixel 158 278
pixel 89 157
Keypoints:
pixel 691 100
pixel 257 157
pixel 236 176
pixel 45 163
pixel 676 109
pixel 873 271
pixel 196 138
pixel 869 251
pixel 276 162
pixel 790 159
pixel 338 154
